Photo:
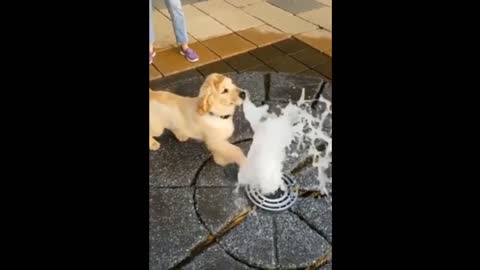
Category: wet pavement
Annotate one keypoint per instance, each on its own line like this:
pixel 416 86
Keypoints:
pixel 198 220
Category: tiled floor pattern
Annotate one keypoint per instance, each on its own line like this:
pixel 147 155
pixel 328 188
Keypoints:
pixel 290 55
pixel 221 29
pixel 210 18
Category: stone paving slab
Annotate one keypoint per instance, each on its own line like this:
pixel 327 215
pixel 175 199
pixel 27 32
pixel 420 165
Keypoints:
pixel 267 53
pixel 153 73
pixel 253 241
pixel 243 130
pixel 325 69
pixel 202 26
pixel 307 178
pixel 318 39
pixel 243 62
pixel 195 18
pixel 233 18
pixel 243 3
pixel 185 84
pixel 215 258
pixel 266 11
pixel 317 213
pixel 327 266
pixel 160 4
pixel 291 46
pixel 202 197
pixel 297 244
pixel 175 163
pixel 310 73
pixel 215 67
pixel 263 35
pixel 325 2
pixel 279 18
pixel 261 22
pixel 321 17
pixel 296 6
pixel 328 52
pixel 286 64
pixel 311 57
pixel 284 87
pixel 212 175
pixel 174 227
pixel 229 45
pixel 275 241
pixel 263 68
pixel 216 7
pixel 287 55
pixel 218 206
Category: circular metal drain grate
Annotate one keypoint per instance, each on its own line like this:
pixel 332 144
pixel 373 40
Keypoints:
pixel 279 201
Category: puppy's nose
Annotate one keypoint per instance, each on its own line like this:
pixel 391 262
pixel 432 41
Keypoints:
pixel 242 95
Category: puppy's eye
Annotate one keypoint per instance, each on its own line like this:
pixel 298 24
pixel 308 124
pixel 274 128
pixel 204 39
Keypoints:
pixel 225 91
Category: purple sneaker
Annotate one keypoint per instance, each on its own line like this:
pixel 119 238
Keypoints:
pixel 189 54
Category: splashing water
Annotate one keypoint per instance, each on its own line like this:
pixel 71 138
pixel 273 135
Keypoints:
pixel 275 136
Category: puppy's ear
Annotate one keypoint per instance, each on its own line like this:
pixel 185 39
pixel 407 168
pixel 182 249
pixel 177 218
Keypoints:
pixel 211 83
pixel 204 104
pixel 214 80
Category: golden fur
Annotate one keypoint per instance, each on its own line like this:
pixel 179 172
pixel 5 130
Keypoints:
pixel 191 117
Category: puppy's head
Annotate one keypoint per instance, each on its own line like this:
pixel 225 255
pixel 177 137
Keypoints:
pixel 219 95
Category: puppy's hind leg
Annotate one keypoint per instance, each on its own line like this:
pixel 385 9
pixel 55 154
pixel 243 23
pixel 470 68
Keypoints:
pixel 154 144
pixel 179 135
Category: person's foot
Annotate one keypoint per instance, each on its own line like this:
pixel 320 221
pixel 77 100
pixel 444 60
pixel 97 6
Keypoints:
pixel 189 54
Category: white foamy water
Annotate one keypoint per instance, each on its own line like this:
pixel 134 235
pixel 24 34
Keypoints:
pixel 263 170
pixel 273 135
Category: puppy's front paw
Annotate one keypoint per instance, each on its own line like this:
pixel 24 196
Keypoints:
pixel 154 145
pixel 241 161
pixel 220 161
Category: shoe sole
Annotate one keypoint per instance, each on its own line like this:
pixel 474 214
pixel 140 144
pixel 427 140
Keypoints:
pixel 191 61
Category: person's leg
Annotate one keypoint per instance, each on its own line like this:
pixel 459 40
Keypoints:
pixel 180 29
pixel 178 19
pixel 151 34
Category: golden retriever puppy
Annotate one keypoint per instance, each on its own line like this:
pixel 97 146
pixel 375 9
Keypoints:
pixel 206 118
